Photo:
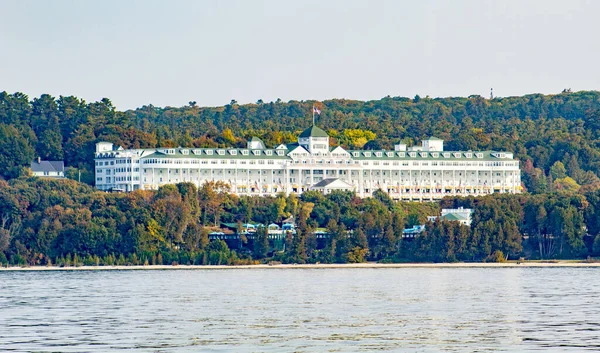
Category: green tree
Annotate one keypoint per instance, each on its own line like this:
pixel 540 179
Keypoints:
pixel 558 170
pixel 261 243
pixel 16 152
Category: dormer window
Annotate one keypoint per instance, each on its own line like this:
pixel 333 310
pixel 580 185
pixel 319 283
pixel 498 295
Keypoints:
pixel 402 154
pixel 469 155
pixel 233 152
pixel 367 154
pixel 456 154
pixel 256 152
pixel 423 154
pixel 435 155
pixel 280 152
pixel 390 154
pixel 245 152
pixel 196 152
pixel 221 152
pixel 412 154
pixel 378 154
pixel 356 154
pixel 186 152
pixel 170 151
pixel 209 152
pixel 446 155
pixel 269 153
pixel 479 155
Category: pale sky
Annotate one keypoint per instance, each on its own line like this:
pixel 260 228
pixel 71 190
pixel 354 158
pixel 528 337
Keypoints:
pixel 168 53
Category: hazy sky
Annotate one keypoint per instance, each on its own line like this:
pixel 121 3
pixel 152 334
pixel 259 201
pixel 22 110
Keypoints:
pixel 172 52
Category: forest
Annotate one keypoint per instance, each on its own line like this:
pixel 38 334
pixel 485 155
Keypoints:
pixel 64 222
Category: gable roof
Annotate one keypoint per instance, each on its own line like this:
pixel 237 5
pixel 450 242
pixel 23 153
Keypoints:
pixel 339 149
pixel 454 217
pixel 258 141
pixel 313 131
pixel 333 183
pixel 47 166
pixel 298 149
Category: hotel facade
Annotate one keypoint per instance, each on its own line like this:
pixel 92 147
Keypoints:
pixel 420 173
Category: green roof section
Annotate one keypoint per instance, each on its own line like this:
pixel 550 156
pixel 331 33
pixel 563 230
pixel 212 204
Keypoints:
pixel 357 155
pixel 213 153
pixel 483 156
pixel 453 217
pixel 313 131
pixel 433 138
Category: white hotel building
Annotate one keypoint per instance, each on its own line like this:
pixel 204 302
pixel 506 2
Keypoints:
pixel 425 172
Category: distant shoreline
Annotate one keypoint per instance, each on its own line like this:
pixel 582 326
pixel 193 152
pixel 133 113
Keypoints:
pixel 512 264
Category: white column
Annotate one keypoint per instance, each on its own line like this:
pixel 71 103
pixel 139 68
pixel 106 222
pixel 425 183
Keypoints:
pixel 361 182
pixel 454 182
pixel 286 173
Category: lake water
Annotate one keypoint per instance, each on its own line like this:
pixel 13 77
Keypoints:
pixel 302 310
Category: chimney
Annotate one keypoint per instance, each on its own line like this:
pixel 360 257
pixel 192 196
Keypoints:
pixel 39 160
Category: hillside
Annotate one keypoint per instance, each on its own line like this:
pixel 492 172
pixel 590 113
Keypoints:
pixel 541 129
pixel 556 137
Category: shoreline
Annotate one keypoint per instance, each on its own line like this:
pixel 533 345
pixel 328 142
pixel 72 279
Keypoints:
pixel 370 265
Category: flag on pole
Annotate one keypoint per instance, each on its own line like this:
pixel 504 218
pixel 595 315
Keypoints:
pixel 316 110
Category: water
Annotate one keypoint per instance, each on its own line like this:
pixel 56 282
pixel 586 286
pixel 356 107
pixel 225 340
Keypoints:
pixel 302 310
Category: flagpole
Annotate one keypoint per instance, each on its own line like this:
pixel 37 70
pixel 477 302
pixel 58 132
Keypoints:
pixel 313 115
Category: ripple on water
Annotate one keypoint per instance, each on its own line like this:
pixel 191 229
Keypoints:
pixel 303 310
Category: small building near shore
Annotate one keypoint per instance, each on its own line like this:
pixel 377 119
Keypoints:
pixel 462 215
pixel 413 231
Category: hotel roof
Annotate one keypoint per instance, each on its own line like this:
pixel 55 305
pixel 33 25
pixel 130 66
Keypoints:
pixel 314 131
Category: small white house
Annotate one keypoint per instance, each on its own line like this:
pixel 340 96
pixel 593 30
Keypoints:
pixel 462 215
pixel 48 169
